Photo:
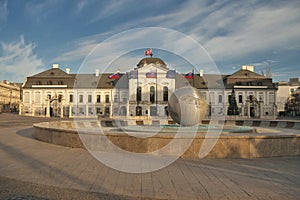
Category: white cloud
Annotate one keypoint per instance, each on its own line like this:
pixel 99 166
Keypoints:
pixel 18 60
pixel 230 31
pixel 264 30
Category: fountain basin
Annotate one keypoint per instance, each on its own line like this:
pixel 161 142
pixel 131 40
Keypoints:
pixel 264 142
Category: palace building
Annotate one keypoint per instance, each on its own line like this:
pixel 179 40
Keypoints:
pixel 9 96
pixel 143 92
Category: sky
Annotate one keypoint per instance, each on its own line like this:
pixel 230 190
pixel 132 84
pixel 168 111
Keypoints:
pixel 35 34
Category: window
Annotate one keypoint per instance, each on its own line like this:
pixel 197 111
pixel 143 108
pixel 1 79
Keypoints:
pixel 60 82
pixel 26 97
pixel 90 98
pixel 81 111
pixel 107 98
pixel 292 90
pixel 98 98
pixel 212 97
pixel 165 94
pixel 138 93
pixel 271 98
pixel 60 98
pixel 81 98
pixel 37 97
pixel 220 98
pixel 39 83
pixel 229 98
pixel 49 96
pixel 49 82
pixel 238 83
pixel 98 111
pixel 259 83
pixel 251 98
pixel 261 96
pixel 240 98
pixel 152 94
pixel 138 111
pixel 71 98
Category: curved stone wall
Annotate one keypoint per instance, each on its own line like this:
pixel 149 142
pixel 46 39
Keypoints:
pixel 272 138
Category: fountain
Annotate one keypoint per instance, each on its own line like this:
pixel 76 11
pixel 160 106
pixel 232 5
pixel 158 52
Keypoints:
pixel 189 138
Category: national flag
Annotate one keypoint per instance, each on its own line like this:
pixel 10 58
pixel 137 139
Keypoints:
pixel 148 52
pixel 151 74
pixel 189 75
pixel 114 76
pixel 171 74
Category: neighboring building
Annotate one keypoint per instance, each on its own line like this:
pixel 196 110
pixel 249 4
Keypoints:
pixel 9 96
pixel 285 92
pixel 143 91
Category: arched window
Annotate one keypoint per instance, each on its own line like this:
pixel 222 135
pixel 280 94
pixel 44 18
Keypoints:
pixel 152 94
pixel 165 93
pixel 139 93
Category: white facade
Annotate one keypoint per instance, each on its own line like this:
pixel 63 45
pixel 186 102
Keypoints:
pixel 146 93
pixel 284 92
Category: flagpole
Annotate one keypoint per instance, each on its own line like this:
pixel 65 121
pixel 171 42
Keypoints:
pixel 156 92
pixel 137 86
pixel 193 76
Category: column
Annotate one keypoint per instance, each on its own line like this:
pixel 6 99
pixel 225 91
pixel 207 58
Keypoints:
pixel 148 110
pixel 62 109
pixel 48 108
pixel 110 109
pixel 242 110
pixel 248 110
pixel 86 110
pixel 20 108
pixel 260 109
pixel 127 108
pixel 274 111
pixel 32 109
pixel 70 111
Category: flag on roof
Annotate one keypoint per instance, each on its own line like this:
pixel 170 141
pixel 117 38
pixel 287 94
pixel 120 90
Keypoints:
pixel 114 76
pixel 189 75
pixel 148 52
pixel 151 74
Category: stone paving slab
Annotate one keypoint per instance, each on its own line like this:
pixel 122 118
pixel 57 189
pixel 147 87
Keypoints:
pixel 38 170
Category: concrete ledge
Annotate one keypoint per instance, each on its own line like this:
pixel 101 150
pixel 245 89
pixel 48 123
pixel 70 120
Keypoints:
pixel 265 143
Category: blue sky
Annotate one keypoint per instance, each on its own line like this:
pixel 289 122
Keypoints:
pixel 36 34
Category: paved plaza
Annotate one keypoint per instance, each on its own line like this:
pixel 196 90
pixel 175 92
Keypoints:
pixel 31 169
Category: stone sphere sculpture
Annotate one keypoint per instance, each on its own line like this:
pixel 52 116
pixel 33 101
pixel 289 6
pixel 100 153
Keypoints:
pixel 187 106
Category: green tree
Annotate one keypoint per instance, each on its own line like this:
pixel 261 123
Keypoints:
pixel 233 108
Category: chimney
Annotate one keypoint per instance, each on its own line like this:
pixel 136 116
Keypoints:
pixel 248 67
pixel 97 72
pixel 68 70
pixel 55 66
pixel 201 72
